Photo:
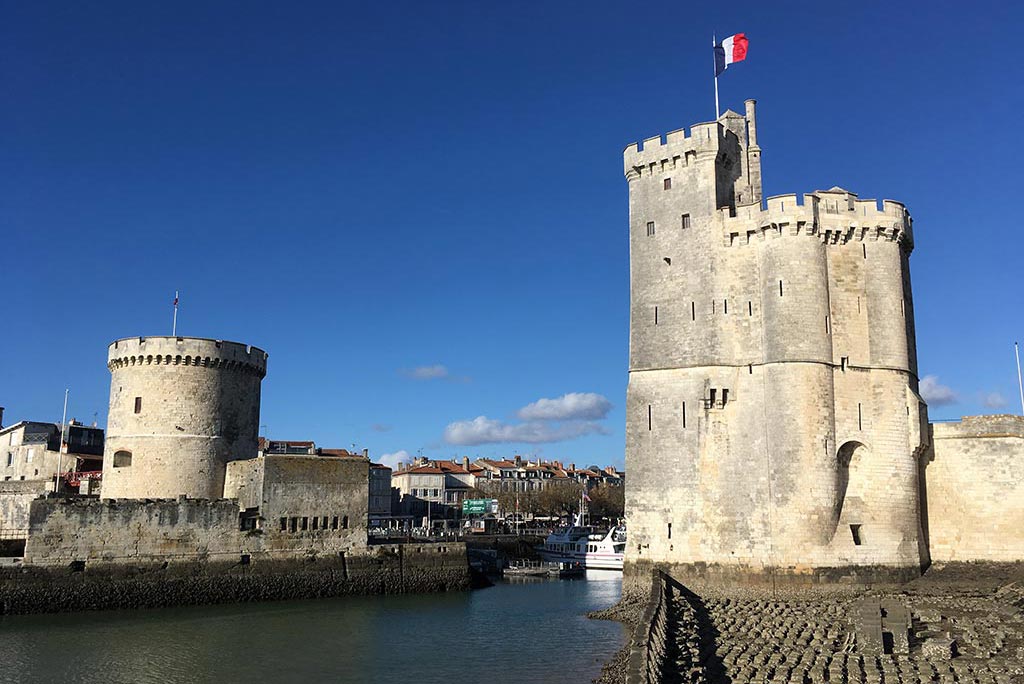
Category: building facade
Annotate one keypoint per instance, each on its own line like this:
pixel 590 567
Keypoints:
pixel 34 451
pixel 773 420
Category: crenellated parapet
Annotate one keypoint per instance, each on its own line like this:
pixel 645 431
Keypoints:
pixel 831 216
pixel 187 351
pixel 675 149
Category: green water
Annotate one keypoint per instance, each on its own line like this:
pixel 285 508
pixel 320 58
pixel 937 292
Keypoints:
pixel 512 632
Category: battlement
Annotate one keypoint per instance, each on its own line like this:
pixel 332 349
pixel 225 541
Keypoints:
pixel 672 148
pixel 186 351
pixel 834 216
pixel 998 425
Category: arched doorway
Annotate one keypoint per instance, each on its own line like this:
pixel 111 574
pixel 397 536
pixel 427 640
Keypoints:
pixel 850 491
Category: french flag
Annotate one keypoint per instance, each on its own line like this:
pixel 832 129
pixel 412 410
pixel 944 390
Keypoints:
pixel 730 50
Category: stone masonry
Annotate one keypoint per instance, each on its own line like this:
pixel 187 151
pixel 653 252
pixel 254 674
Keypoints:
pixel 773 421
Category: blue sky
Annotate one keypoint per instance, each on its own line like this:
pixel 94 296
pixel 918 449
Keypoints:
pixel 418 208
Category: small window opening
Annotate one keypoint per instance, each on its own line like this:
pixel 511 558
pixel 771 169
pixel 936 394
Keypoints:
pixel 725 306
pixel 138 404
pixel 323 523
pixel 693 311
pixel 750 308
pixel 858 304
pixel 843 362
pixel 712 395
pixel 828 326
pixel 725 396
pixel 293 524
pixel 860 418
pixel 667 183
pixel 77 566
pixel 855 532
pixel 334 523
pixel 650 228
pixel 655 315
pixel 750 369
pixel 686 221
pixel 713 306
pixel 316 523
pixel 305 523
pixel 780 288
pixel 865 248
pixel 903 307
pixel 670 530
pixel 245 559
pixel 284 524
pixel 668 260
pixel 344 522
pixel 649 421
pixel 684 414
pixel 122 459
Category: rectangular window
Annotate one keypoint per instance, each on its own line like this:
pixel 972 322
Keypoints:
pixel 316 523
pixel 725 306
pixel 780 288
pixel 334 523
pixel 865 248
pixel 323 523
pixel 725 396
pixel 648 416
pixel 855 531
pixel 650 228
pixel 655 315
pixel 344 522
pixel 686 221
pixel 10 459
pixel 693 311
pixel 667 183
pixel 711 397
pixel 414 491
pixel 860 418
pixel 750 369
pixel 30 455
pixel 305 523
pixel 670 530
pixel 284 524
pixel 293 524
pixel 828 327
pixel 138 404
pixel 684 414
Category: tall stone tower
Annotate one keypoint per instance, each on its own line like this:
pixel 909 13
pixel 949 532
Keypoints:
pixel 180 409
pixel 773 422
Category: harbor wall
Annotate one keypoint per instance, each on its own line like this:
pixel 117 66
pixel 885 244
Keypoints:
pixel 383 569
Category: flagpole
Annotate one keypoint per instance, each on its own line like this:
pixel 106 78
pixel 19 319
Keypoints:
pixel 1016 351
pixel 714 65
pixel 60 449
pixel 174 324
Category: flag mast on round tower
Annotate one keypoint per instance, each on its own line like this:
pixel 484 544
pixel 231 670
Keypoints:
pixel 731 50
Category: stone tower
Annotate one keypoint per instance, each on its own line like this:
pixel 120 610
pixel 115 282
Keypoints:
pixel 773 422
pixel 180 409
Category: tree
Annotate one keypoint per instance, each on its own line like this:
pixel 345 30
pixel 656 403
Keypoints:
pixel 607 501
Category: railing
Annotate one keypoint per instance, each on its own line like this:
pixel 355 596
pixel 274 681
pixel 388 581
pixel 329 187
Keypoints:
pixel 14 533
pixel 75 479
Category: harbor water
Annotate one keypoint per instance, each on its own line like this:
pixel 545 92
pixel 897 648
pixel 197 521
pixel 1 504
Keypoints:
pixel 517 631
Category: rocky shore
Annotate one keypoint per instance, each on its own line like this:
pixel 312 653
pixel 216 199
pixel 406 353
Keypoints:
pixel 629 611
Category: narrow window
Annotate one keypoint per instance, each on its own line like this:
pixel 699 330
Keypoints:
pixel 725 396
pixel 670 530
pixel 284 524
pixel 684 415
pixel 668 260
pixel 725 306
pixel 10 459
pixel 860 418
pixel 711 397
pixel 244 559
pixel 344 522
pixel 903 307
pixel 843 362
pixel 323 523
pixel 750 308
pixel 693 311
pixel 865 248
pixel 780 288
pixel 650 228
pixel 858 304
pixel 712 306
pixel 855 531
pixel 334 523
pixel 750 369
pixel 648 416
pixel 293 524
pixel 667 183
pixel 138 404
pixel 316 522
pixel 305 523
pixel 828 328
pixel 655 315
pixel 686 221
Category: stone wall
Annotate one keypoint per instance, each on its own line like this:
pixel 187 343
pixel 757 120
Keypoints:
pixel 16 498
pixel 974 483
pixel 123 531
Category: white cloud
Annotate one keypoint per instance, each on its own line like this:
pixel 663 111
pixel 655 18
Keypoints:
pixel 434 372
pixel 994 400
pixel 392 460
pixel 935 393
pixel 572 406
pixel 484 430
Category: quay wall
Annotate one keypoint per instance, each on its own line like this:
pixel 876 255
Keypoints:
pixel 384 569
pixel 974 489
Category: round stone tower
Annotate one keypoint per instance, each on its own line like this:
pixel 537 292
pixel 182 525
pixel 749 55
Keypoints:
pixel 180 409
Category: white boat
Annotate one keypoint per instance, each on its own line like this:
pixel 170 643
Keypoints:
pixel 583 544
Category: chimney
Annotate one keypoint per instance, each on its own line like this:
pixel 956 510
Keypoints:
pixel 1 416
pixel 519 460
pixel 366 454
pixel 572 466
pixel 465 462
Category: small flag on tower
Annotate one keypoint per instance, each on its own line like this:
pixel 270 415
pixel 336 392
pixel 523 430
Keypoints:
pixel 730 50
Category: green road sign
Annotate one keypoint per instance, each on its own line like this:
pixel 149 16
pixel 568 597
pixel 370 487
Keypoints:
pixel 478 506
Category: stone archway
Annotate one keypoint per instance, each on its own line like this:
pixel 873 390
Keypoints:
pixel 851 460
